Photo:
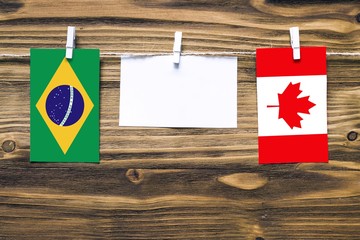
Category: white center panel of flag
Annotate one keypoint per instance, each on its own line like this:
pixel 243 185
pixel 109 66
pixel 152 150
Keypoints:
pixel 268 89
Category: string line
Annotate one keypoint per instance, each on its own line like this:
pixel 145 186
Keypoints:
pixel 129 54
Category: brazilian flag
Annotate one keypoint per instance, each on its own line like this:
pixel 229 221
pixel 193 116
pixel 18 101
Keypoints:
pixel 64 105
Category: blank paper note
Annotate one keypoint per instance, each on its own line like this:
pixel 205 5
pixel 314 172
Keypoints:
pixel 200 92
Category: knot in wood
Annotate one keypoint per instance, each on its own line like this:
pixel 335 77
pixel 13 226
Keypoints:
pixel 358 18
pixel 259 238
pixel 8 146
pixel 135 176
pixel 352 136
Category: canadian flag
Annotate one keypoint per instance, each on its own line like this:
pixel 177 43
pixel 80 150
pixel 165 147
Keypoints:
pixel 292 115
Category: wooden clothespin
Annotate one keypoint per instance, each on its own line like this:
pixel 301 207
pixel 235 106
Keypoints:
pixel 70 42
pixel 177 47
pixel 295 42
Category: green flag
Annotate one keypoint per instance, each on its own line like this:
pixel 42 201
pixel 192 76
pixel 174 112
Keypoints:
pixel 64 106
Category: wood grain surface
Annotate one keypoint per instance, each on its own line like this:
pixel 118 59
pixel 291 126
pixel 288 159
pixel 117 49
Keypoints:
pixel 166 183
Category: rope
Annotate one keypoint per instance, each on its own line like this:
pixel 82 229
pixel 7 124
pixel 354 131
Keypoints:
pixel 127 54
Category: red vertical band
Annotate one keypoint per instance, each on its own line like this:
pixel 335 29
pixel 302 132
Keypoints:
pixel 272 62
pixel 293 149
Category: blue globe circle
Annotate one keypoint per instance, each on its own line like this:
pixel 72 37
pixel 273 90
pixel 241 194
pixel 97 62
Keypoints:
pixel 64 105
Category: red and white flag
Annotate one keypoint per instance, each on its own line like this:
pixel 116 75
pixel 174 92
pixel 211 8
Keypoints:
pixel 292 115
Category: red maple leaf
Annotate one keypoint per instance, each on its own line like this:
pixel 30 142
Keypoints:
pixel 290 105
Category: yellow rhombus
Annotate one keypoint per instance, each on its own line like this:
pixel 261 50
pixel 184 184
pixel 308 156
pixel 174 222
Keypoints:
pixel 64 135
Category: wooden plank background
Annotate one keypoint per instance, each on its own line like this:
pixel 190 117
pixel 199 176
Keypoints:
pixel 180 183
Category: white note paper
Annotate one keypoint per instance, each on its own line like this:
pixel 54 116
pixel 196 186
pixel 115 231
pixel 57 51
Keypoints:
pixel 200 92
